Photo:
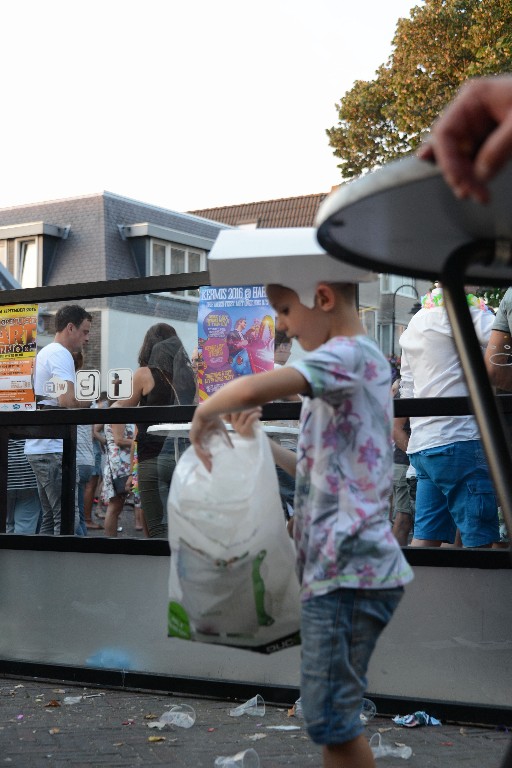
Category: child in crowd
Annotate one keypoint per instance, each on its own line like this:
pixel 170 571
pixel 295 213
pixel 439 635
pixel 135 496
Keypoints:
pixel 350 566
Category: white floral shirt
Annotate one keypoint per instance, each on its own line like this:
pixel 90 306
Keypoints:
pixel 344 472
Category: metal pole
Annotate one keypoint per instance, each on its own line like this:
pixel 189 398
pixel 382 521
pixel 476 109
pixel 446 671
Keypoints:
pixel 489 420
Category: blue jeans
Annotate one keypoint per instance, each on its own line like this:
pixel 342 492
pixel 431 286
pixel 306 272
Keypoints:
pixel 47 468
pixel 23 510
pixel 339 632
pixel 84 475
pixel 455 490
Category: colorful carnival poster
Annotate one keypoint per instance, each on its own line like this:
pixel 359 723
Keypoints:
pixel 236 330
pixel 18 332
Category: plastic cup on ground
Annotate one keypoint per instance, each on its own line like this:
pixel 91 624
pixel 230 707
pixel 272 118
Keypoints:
pixel 246 759
pixel 181 715
pixel 255 707
pixel 381 748
pixel 368 711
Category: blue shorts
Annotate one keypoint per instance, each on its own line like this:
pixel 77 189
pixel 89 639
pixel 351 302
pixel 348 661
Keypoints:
pixel 339 632
pixel 455 490
pixel 96 472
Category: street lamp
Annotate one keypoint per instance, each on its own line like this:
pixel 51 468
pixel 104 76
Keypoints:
pixel 414 309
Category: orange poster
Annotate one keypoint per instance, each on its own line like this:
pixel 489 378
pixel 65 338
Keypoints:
pixel 18 332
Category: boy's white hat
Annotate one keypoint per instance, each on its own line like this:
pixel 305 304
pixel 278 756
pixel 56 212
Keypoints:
pixel 289 257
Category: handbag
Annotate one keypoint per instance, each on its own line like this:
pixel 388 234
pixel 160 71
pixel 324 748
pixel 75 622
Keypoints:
pixel 119 484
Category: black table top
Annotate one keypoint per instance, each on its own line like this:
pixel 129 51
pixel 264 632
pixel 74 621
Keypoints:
pixel 404 219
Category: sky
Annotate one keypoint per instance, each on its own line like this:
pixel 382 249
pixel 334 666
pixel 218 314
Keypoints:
pixel 184 105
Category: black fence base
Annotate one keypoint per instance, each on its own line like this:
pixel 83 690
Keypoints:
pixel 231 690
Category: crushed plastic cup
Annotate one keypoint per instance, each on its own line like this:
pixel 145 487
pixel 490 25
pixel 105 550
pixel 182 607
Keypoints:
pixel 73 699
pixel 246 759
pixel 368 711
pixel 180 714
pixel 255 707
pixel 298 708
pixel 381 748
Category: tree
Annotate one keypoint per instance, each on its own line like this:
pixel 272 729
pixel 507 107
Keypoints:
pixel 440 45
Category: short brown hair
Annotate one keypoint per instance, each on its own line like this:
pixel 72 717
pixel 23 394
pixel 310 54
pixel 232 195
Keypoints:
pixel 71 313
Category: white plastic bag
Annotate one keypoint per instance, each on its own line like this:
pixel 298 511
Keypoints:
pixel 232 577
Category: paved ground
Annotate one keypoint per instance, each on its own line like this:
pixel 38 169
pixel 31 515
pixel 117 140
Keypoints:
pixel 126 522
pixel 111 728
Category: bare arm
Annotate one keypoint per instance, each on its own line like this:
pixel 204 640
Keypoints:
pixel 285 458
pixel 472 139
pixel 130 479
pixel 498 360
pixel 98 434
pixel 119 439
pixel 245 392
pixel 400 436
pixel 68 399
pixel 143 382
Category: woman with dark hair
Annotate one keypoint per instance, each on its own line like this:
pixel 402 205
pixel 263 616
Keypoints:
pixel 164 377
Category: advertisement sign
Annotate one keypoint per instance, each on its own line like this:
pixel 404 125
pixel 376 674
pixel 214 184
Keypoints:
pixel 18 332
pixel 236 330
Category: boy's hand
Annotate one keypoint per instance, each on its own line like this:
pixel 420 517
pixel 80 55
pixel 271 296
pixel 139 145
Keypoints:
pixel 244 421
pixel 203 427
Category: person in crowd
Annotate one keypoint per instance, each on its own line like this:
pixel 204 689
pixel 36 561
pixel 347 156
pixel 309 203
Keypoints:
pixel 498 361
pixel 164 377
pixel 498 355
pixel 349 563
pixel 23 504
pixel 119 441
pixel 472 139
pixel 93 488
pixel 454 488
pixel 197 362
pixel 84 458
pixel 140 522
pixel 54 386
pixel 282 352
pixel 404 481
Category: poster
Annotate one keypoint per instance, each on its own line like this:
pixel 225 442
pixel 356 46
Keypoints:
pixel 18 332
pixel 236 329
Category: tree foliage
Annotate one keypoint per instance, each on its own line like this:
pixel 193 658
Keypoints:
pixel 440 45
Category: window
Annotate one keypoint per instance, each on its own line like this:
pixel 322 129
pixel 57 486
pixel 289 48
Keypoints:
pixel 24 265
pixel 175 259
pixel 368 317
pixel 27 264
pixel 392 283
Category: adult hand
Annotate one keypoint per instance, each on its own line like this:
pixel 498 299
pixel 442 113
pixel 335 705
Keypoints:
pixel 244 421
pixel 202 429
pixel 472 139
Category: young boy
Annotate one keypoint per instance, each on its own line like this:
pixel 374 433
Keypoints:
pixel 350 566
